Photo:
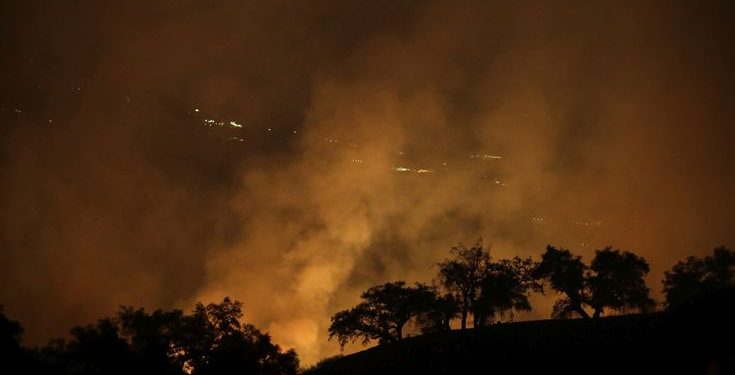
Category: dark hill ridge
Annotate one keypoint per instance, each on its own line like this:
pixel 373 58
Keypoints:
pixel 696 339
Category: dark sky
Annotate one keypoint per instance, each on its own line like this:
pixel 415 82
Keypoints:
pixel 291 154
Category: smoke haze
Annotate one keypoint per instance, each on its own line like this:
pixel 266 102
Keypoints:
pixel 366 139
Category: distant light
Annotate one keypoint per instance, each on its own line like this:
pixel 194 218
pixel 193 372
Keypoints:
pixel 401 169
pixel 425 171
pixel 486 157
pixel 269 129
pixel 234 124
pixel 196 109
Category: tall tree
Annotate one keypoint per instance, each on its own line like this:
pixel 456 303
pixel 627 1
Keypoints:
pixel 213 341
pixel 462 274
pixel 442 310
pixel 695 276
pixel 615 280
pixel 565 272
pixel 381 316
pixel 153 338
pixel 506 288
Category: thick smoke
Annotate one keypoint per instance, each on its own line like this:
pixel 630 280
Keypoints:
pixel 376 136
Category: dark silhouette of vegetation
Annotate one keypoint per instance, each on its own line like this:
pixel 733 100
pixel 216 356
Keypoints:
pixel 565 273
pixel 615 280
pixel 505 288
pixel 696 276
pixel 152 339
pixel 462 276
pixel 382 315
pixel 10 336
pixel 437 318
pixel 209 340
pixel 212 339
pixel 696 339
pixel 473 284
pixel 215 342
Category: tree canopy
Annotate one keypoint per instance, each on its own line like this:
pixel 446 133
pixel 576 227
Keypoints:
pixel 698 275
pixel 209 340
pixel 382 315
pixel 615 280
pixel 505 288
pixel 462 275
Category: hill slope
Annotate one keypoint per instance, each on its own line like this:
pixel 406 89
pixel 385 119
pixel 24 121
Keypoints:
pixel 696 339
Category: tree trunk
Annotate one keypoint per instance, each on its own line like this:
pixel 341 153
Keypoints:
pixel 464 318
pixel 598 312
pixel 581 312
pixel 480 320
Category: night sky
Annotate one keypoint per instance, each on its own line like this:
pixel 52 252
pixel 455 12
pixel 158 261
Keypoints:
pixel 292 154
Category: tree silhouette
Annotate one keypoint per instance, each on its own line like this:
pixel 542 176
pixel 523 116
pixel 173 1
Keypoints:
pixel 152 338
pixel 209 340
pixel 440 313
pixel 213 341
pixel 615 280
pixel 10 335
pixel 696 276
pixel 381 316
pixel 462 275
pixel 565 272
pixel 505 288
pixel 97 349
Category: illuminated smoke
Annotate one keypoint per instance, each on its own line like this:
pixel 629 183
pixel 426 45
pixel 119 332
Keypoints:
pixel 291 155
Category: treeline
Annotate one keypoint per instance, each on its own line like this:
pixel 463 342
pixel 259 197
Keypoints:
pixel 209 340
pixel 470 283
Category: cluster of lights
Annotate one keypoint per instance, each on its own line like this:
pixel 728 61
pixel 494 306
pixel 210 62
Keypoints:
pixel 233 124
pixel 406 170
pixel 485 157
pixel 587 223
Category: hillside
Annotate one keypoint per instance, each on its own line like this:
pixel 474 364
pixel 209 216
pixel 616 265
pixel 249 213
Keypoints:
pixel 696 339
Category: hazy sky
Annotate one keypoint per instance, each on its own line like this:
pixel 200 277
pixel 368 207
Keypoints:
pixel 367 138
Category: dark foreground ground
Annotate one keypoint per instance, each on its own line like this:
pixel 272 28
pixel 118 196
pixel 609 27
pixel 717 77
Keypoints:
pixel 696 339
